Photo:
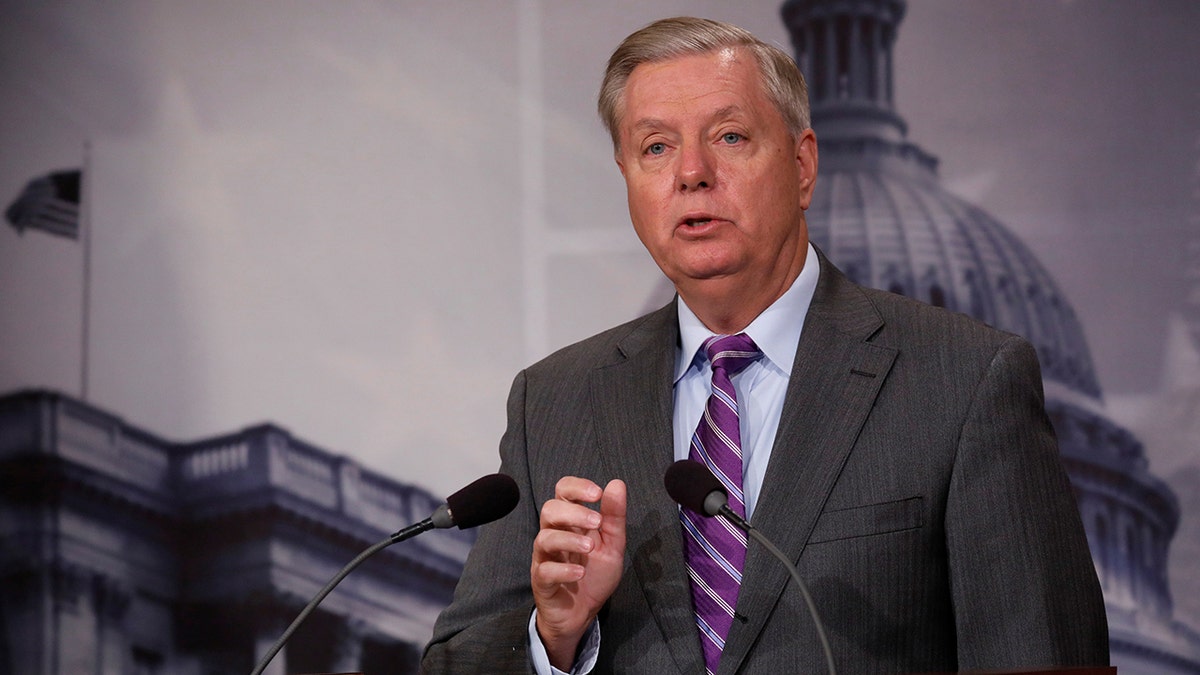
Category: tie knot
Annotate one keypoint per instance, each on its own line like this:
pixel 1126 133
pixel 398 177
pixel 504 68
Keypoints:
pixel 731 353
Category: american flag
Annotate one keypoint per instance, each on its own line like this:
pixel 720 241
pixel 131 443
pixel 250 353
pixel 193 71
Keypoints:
pixel 49 203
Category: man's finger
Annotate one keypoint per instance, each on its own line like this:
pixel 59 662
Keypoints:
pixel 558 544
pixel 564 515
pixel 575 489
pixel 546 575
pixel 612 512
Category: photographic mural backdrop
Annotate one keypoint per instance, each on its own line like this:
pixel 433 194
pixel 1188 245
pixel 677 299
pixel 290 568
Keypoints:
pixel 358 220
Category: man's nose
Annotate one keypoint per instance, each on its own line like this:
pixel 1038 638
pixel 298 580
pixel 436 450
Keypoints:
pixel 696 170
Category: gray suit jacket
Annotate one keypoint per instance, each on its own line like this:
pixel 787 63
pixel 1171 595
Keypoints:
pixel 914 481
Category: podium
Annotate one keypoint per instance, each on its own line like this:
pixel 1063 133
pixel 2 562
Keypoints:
pixel 1075 670
pixel 1071 670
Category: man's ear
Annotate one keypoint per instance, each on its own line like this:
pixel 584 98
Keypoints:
pixel 806 161
pixel 617 159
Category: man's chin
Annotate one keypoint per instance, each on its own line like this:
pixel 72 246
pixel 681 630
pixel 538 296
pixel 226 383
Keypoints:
pixel 702 276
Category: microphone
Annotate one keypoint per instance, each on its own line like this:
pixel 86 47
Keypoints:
pixel 694 487
pixel 489 498
pixel 486 499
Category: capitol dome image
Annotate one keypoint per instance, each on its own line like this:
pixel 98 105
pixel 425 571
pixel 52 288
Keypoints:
pixel 882 215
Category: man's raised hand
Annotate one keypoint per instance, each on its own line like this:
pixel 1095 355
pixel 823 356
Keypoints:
pixel 577 560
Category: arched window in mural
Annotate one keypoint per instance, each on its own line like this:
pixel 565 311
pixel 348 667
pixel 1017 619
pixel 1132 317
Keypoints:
pixel 1134 552
pixel 977 304
pixel 931 284
pixel 1006 308
pixel 892 279
pixel 937 297
pixel 1153 568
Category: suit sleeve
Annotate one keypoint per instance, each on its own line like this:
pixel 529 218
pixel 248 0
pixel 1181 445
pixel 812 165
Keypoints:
pixel 485 628
pixel 1024 587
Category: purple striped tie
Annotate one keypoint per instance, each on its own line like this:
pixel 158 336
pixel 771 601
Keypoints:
pixel 715 549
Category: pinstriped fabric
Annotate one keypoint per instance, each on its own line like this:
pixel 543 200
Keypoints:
pixel 715 548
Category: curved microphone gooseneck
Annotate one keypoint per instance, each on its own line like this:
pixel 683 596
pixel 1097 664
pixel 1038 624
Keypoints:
pixel 694 487
pixel 489 498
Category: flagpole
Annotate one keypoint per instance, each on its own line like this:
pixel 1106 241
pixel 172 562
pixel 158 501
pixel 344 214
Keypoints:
pixel 85 231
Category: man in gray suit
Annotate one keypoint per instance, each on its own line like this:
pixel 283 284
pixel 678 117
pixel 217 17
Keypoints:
pixel 899 454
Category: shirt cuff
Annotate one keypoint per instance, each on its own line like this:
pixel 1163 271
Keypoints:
pixel 584 662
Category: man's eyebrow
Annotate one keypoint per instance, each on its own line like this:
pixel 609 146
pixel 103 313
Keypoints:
pixel 728 111
pixel 647 123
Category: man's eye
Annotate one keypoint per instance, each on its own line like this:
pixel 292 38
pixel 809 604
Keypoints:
pixel 656 149
pixel 731 138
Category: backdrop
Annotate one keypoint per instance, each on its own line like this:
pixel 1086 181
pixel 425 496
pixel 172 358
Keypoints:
pixel 358 220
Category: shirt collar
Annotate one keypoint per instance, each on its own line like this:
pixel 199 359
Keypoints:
pixel 776 330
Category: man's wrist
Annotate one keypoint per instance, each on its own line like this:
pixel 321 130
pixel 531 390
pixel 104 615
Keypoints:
pixel 580 662
pixel 561 649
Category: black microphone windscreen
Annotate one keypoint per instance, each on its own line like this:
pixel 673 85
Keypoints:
pixel 489 498
pixel 689 482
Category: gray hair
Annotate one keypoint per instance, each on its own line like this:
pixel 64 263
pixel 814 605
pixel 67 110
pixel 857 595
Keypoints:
pixel 687 36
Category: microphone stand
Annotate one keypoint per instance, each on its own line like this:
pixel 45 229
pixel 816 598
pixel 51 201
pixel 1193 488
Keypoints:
pixel 694 486
pixel 396 537
pixel 812 607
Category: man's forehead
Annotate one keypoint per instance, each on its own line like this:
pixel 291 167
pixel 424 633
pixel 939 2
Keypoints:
pixel 659 85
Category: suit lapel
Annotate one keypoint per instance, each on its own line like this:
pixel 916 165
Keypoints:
pixel 835 380
pixel 632 398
